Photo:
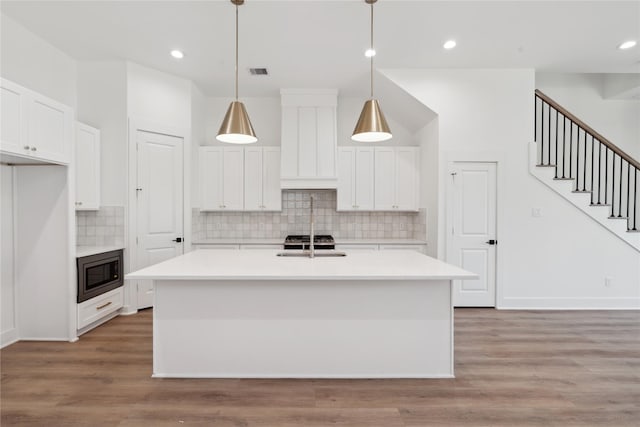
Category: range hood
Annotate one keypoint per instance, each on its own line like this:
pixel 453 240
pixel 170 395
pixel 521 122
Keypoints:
pixel 309 139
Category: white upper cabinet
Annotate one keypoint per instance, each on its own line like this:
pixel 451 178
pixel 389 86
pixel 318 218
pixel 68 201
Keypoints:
pixel 87 163
pixel 396 178
pixel 355 178
pixel 221 172
pixel 309 141
pixel 262 179
pixel 34 126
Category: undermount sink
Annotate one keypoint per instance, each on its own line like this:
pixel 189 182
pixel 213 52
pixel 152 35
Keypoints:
pixel 307 254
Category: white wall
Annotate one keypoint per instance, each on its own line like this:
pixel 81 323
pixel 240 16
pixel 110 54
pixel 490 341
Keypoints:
pixel 35 64
pixel 199 120
pixel 558 260
pixel 102 102
pixel 584 95
pixel 158 97
pixel 428 137
pixel 8 331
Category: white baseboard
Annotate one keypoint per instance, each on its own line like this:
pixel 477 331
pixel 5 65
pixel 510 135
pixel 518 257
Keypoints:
pixel 573 303
pixel 9 337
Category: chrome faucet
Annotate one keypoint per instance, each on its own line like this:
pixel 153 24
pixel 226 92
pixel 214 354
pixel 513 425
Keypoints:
pixel 311 233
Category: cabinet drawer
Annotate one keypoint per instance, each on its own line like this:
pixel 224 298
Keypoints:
pixel 94 309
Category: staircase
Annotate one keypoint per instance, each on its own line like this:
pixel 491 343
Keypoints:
pixel 587 169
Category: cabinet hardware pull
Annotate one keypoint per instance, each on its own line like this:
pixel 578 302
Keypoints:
pixel 103 306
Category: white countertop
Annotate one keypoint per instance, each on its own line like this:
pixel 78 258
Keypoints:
pixel 339 241
pixel 82 251
pixel 263 264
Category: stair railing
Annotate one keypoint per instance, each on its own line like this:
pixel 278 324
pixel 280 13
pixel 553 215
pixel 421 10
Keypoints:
pixel 595 164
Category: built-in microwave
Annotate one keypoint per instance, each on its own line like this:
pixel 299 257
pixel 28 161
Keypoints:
pixel 98 274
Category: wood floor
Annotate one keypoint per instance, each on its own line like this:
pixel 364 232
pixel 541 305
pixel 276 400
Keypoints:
pixel 513 368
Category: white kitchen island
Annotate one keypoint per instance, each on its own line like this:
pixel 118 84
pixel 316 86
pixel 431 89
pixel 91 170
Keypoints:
pixel 252 314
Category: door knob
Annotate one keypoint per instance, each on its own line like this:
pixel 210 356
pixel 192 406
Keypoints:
pixel 177 240
pixel 492 242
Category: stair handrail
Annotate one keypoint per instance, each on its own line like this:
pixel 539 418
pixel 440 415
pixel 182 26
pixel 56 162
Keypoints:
pixel 588 129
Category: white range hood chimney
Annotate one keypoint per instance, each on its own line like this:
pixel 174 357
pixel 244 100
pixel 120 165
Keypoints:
pixel 309 139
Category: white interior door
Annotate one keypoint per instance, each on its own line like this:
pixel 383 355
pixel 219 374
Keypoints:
pixel 159 204
pixel 471 242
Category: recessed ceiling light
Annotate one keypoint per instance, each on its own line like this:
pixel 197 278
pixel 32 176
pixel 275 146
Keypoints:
pixel 627 45
pixel 369 53
pixel 177 54
pixel 449 44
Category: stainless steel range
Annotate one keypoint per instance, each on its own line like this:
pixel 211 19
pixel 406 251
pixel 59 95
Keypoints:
pixel 303 242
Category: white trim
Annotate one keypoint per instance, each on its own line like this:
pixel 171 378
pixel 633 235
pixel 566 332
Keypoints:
pixel 570 303
pixel 16 288
pixel 499 159
pixel 9 337
pixel 71 203
pixel 322 376
pixel 135 125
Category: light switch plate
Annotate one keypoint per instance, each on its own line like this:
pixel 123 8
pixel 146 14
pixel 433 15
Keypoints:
pixel 536 212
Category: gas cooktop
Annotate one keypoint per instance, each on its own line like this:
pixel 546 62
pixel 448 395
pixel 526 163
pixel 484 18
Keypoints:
pixel 301 241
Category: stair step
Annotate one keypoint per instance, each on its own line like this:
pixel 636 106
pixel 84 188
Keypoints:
pixel 582 191
pixel 545 166
pixel 564 179
pixel 601 204
pixel 633 231
pixel 618 217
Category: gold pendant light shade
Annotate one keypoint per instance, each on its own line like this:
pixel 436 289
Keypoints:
pixel 371 126
pixel 236 127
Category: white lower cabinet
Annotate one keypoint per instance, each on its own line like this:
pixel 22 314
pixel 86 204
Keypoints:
pixel 418 248
pixel 92 310
pixel 357 247
pixel 216 246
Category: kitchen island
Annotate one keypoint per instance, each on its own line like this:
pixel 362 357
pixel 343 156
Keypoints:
pixel 253 314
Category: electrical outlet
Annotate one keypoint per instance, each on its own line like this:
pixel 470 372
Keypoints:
pixel 608 281
pixel 536 212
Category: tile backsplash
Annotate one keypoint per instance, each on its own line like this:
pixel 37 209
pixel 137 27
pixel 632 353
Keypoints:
pixel 294 219
pixel 104 227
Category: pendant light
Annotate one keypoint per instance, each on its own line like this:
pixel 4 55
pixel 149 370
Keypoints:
pixel 371 126
pixel 236 127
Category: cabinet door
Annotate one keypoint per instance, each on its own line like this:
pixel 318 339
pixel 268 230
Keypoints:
pixel 346 179
pixel 87 163
pixel 253 200
pixel 406 179
pixel 210 173
pixel 326 142
pixel 364 179
pixel 384 179
pixel 233 179
pixel 50 126
pixel 271 191
pixel 13 112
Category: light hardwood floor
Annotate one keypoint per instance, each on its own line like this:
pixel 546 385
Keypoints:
pixel 513 368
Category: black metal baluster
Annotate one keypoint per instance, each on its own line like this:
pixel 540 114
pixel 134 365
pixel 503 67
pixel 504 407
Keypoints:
pixel 570 148
pixel 592 169
pixel 556 161
pixel 564 152
pixel 606 174
pixel 535 118
pixel 584 165
pixel 628 193
pixel 548 133
pixel 613 185
pixel 620 191
pixel 635 198
pixel 599 169
pixel 541 131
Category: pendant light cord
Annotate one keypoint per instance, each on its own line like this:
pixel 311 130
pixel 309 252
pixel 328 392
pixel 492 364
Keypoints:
pixel 372 51
pixel 236 51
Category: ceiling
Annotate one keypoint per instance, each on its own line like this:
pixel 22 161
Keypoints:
pixel 322 43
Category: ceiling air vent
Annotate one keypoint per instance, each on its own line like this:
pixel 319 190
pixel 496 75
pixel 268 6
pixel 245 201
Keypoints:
pixel 258 71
